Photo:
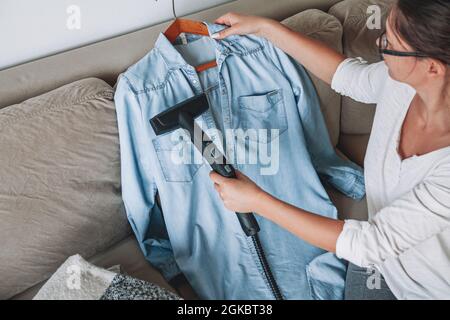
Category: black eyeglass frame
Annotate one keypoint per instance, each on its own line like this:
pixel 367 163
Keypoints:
pixel 397 53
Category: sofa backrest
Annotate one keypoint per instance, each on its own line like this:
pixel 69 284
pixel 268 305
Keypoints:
pixel 359 41
pixel 107 59
pixel 326 28
pixel 59 182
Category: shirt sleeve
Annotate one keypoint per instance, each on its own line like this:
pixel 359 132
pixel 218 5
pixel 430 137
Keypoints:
pixel 359 80
pixel 408 221
pixel 138 185
pixel 344 175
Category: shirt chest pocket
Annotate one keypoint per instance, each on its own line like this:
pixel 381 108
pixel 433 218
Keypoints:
pixel 176 156
pixel 263 116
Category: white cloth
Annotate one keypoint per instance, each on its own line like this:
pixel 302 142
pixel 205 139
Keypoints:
pixel 76 279
pixel 407 236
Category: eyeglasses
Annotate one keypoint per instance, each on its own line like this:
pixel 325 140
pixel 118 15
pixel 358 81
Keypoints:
pixel 382 48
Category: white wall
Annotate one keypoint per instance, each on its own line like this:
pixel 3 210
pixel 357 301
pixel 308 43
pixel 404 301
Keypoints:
pixel 30 29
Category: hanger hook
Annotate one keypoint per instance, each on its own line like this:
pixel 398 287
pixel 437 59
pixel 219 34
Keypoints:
pixel 173 10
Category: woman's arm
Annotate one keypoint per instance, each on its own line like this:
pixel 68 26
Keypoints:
pixel 319 231
pixel 319 59
pixel 409 220
pixel 243 195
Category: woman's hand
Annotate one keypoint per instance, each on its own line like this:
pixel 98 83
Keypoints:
pixel 243 195
pixel 241 24
pixel 238 195
pixel 307 51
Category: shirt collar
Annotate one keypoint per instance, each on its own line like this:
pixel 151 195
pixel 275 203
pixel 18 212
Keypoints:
pixel 174 59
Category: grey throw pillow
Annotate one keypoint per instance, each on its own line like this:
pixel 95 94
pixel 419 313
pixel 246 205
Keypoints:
pixel 59 182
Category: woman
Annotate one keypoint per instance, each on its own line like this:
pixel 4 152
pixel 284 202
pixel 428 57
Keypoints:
pixel 407 164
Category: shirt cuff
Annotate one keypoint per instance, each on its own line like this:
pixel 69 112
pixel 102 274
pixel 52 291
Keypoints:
pixel 347 244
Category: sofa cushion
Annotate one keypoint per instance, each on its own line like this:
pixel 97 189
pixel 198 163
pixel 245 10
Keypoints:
pixel 354 146
pixel 128 256
pixel 348 208
pixel 359 41
pixel 60 182
pixel 322 26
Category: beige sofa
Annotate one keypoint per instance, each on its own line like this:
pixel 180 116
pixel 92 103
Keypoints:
pixel 340 24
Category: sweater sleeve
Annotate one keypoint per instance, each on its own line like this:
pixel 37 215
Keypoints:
pixel 359 80
pixel 409 220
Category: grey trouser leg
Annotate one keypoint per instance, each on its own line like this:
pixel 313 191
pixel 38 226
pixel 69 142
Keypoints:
pixel 358 285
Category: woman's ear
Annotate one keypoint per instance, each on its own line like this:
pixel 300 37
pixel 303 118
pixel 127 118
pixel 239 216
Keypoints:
pixel 437 68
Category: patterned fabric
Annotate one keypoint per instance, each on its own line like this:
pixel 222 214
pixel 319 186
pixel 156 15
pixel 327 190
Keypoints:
pixel 126 288
pixel 77 279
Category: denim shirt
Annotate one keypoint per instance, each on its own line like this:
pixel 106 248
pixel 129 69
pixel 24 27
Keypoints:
pixel 254 86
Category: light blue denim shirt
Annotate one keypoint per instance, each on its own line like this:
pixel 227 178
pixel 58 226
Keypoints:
pixel 255 86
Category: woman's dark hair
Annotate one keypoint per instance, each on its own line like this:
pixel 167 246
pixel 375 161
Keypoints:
pixel 425 26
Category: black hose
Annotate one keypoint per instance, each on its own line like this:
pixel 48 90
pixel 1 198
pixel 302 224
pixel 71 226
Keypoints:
pixel 247 220
pixel 266 268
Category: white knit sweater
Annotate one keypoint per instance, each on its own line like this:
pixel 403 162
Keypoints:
pixel 407 236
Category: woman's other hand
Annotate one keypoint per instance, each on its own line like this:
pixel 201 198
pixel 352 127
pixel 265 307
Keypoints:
pixel 241 24
pixel 238 195
pixel 305 50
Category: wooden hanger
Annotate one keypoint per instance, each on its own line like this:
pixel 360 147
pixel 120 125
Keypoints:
pixel 180 26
